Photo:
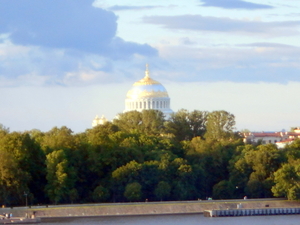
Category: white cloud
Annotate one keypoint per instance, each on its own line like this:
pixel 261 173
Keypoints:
pixel 226 25
pixel 87 77
pixel 234 4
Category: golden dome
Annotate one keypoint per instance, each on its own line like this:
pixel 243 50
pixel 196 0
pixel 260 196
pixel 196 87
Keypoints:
pixel 146 81
pixel 147 88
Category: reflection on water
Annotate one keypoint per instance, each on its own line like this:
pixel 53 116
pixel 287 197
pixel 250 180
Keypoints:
pixel 182 219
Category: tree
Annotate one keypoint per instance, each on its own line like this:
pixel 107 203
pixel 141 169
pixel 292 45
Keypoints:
pixel 73 195
pixel 100 135
pixel 178 125
pixel 220 125
pixel 287 181
pixel 3 130
pixel 183 180
pixel 123 175
pixel 13 181
pixel 60 177
pixel 197 121
pixel 58 138
pixel 133 192
pixel 185 125
pixel 149 176
pixel 100 194
pixel 128 172
pixel 253 167
pixel 223 190
pixel 163 190
pixel 129 121
pixel 152 122
pixel 23 161
pixel 149 122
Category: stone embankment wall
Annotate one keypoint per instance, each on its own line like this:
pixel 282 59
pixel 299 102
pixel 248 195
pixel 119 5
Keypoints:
pixel 149 208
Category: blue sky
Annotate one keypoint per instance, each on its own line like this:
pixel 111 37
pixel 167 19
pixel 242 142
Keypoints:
pixel 63 62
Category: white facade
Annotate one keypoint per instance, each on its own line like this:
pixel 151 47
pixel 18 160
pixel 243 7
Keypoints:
pixel 262 137
pixel 99 121
pixel 279 138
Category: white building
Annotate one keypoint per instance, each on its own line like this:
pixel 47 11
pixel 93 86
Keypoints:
pixel 148 94
pixel 278 138
pixel 144 94
pixel 99 121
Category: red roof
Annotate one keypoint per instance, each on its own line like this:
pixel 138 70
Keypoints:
pixel 266 134
pixel 286 140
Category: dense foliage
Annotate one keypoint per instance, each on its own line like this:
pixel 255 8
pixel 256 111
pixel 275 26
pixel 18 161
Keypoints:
pixel 141 156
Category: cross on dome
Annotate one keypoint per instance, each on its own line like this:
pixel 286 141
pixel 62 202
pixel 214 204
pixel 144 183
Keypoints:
pixel 147 73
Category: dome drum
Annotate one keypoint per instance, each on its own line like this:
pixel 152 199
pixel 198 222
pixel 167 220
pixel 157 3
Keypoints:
pixel 140 104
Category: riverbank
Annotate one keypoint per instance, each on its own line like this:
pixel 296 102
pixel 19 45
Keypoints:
pixel 146 208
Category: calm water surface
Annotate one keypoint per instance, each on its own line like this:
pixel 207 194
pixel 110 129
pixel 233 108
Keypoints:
pixel 185 220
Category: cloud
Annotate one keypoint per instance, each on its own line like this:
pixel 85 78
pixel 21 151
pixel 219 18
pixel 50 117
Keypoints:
pixel 216 24
pixel 257 62
pixel 266 44
pixel 186 41
pixel 125 7
pixel 234 4
pixel 45 42
pixel 38 66
pixel 121 49
pixel 64 24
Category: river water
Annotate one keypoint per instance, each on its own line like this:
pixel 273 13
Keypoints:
pixel 183 220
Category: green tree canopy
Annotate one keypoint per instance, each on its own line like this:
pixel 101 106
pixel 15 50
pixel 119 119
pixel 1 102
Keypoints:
pixel 163 190
pixel 133 192
pixel 149 121
pixel 287 181
pixel 60 177
pixel 185 125
pixel 220 125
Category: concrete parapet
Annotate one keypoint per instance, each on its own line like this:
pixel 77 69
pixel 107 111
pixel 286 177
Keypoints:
pixel 225 208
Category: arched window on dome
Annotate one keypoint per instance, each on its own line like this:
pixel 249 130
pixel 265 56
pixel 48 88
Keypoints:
pixel 161 104
pixel 157 104
pixel 136 105
pixel 148 105
pixel 141 105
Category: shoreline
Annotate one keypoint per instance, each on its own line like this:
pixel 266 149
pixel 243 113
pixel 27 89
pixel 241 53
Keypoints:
pixel 145 208
pixel 67 218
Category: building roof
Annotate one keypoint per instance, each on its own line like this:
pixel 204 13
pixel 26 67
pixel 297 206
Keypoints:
pixel 147 88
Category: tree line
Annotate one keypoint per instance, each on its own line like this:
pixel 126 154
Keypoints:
pixel 142 156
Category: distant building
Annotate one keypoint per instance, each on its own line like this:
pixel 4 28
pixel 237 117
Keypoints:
pixel 148 94
pixel 99 121
pixel 278 138
pixel 144 94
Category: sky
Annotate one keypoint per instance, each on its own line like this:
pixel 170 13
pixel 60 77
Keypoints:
pixel 64 62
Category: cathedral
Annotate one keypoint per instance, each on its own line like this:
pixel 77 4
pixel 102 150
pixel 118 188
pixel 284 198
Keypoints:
pixel 146 93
